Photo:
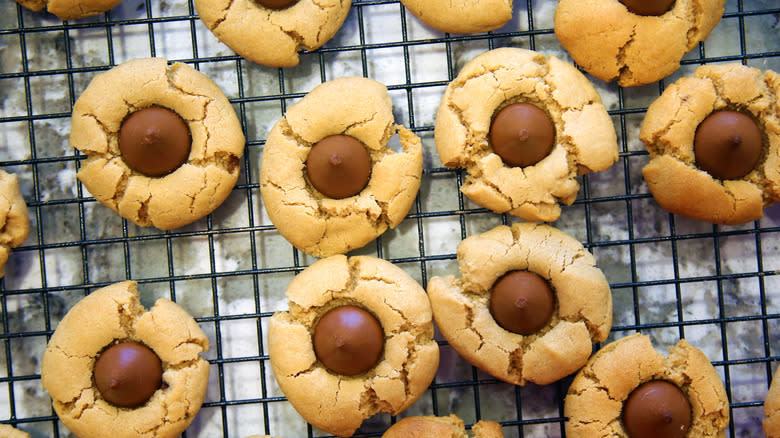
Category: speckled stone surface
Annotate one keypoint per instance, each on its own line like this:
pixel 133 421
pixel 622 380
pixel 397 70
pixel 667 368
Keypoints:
pixel 670 276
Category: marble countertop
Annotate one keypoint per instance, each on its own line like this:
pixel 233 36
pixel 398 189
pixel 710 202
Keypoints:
pixel 671 277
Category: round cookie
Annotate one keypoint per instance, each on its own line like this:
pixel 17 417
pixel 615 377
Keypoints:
pixel 461 16
pixel 611 42
pixel 594 402
pixel 336 403
pixel 314 223
pixel 582 313
pixel 70 9
pixel 670 128
pixel 442 427
pixel 269 36
pixel 772 408
pixel 584 142
pixel 114 313
pixel 14 218
pixel 192 190
pixel 8 431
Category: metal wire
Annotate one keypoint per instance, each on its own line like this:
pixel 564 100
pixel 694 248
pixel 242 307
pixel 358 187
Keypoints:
pixel 631 197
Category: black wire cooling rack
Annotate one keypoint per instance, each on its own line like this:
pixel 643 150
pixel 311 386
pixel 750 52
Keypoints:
pixel 671 277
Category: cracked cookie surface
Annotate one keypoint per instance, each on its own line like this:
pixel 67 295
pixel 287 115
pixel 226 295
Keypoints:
pixel 595 398
pixel 772 408
pixel 14 217
pixel 323 226
pixel 442 427
pixel 610 42
pixel 336 403
pixel 582 313
pixel 70 9
pixel 668 132
pixel 585 139
pixel 461 16
pixel 115 313
pixel 188 193
pixel 273 37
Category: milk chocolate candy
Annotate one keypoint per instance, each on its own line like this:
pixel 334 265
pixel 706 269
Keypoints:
pixel 127 374
pixel 521 302
pixel 338 166
pixel 154 141
pixel 522 134
pixel 348 340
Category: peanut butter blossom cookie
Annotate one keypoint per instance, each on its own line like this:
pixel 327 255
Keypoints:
pixel 163 143
pixel 772 408
pixel 116 369
pixel 442 427
pixel 271 32
pixel 524 126
pixel 714 144
pixel 528 306
pixel 633 41
pixel 70 9
pixel 328 179
pixel 628 389
pixel 461 16
pixel 358 340
pixel 14 218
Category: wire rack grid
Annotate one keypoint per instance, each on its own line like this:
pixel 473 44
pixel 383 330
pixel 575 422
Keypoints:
pixel 671 277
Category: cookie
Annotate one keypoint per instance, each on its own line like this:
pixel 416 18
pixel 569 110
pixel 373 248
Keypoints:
pixel 358 340
pixel 619 40
pixel 529 272
pixel 344 114
pixel 70 9
pixel 7 431
pixel 106 347
pixel 683 392
pixel 14 218
pixel 772 409
pixel 163 144
pixel 271 32
pixel 710 172
pixel 442 427
pixel 461 16
pixel 514 80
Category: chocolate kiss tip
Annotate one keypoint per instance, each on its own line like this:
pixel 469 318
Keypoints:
pixel 340 343
pixel 523 135
pixel 521 302
pixel 667 418
pixel 736 141
pixel 150 136
pixel 114 383
pixel 335 160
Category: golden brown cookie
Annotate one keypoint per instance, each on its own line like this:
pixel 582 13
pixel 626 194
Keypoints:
pixel 14 218
pixel 70 9
pixel 595 400
pixel 772 408
pixel 320 225
pixel 461 16
pixel 670 128
pixel 7 431
pixel 114 313
pixel 196 187
pixel 611 42
pixel 272 36
pixel 582 312
pixel 335 402
pixel 441 427
pixel 584 139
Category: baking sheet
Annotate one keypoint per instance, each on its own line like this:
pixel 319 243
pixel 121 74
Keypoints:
pixel 671 277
